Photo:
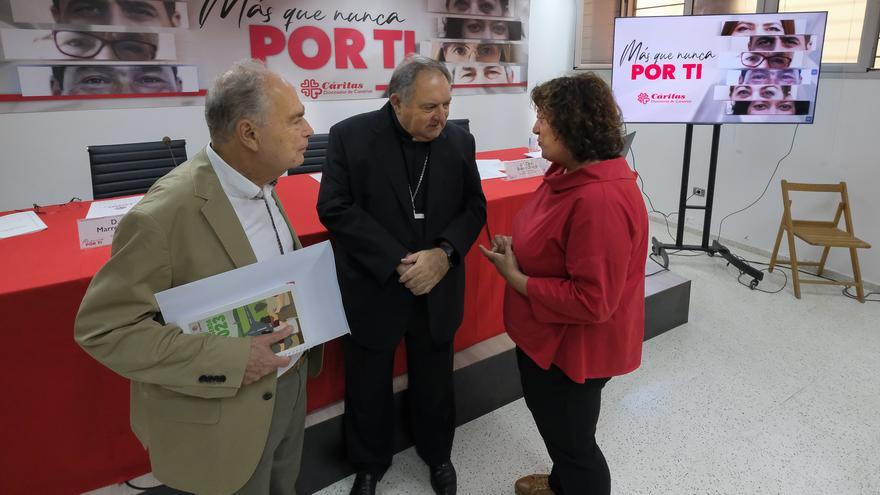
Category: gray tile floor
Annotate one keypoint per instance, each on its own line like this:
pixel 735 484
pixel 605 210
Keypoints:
pixel 757 394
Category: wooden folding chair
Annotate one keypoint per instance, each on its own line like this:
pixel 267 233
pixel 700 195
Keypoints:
pixel 819 233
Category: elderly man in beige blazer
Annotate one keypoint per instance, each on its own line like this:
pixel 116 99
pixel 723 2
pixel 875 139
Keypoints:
pixel 209 409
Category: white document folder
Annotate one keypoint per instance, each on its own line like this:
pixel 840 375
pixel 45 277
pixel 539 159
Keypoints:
pixel 312 270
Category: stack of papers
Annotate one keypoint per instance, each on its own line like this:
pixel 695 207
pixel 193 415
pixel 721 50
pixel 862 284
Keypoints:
pixel 20 223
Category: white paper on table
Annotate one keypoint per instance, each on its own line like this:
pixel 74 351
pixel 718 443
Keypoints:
pixel 20 223
pixel 112 207
pixel 311 269
pixel 490 169
pixel 533 154
pixel 317 176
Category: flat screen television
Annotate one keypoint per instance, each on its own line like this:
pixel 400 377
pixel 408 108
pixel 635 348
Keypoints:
pixel 718 69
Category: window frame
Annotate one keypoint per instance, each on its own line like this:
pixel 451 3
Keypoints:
pixel 631 8
pixel 868 47
pixel 579 37
pixel 867 44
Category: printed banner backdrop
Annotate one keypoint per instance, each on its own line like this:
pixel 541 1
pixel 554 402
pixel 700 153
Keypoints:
pixel 80 54
pixel 754 68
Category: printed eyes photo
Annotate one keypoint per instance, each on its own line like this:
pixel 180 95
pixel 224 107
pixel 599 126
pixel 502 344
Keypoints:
pixel 458 53
pixel 757 76
pixel 107 46
pixel 482 74
pixel 481 7
pixel 741 93
pixel 746 28
pixel 103 79
pixel 768 92
pixel 771 108
pixel 787 43
pixel 139 13
pixel 749 28
pixel 788 77
pixel 480 29
pixel 771 60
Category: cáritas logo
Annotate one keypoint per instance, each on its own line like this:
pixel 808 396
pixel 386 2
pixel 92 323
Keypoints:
pixel 645 98
pixel 311 89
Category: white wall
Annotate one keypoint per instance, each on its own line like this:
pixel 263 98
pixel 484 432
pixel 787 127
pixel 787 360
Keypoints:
pixel 44 158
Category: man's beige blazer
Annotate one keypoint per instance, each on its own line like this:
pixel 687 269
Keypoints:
pixel 202 437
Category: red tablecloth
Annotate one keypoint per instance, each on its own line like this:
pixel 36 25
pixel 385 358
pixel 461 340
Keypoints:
pixel 65 423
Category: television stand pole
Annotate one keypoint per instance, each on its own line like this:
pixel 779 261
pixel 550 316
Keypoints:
pixel 658 248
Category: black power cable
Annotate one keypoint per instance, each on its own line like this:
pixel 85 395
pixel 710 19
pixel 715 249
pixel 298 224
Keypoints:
pixel 784 266
pixel 641 180
pixel 678 253
pixel 41 209
pixel 769 181
pixel 850 295
pixel 660 264
pixel 753 286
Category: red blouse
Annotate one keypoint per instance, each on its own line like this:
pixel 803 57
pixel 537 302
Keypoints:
pixel 582 239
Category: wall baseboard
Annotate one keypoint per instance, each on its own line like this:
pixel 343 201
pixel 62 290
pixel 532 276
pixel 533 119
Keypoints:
pixel 869 285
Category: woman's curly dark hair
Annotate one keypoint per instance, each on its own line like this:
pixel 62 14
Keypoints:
pixel 582 112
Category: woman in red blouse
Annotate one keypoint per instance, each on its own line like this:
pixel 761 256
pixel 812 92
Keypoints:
pixel 575 271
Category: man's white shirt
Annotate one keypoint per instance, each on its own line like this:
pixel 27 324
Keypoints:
pixel 248 202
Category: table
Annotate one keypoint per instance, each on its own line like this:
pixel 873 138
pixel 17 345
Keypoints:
pixel 66 419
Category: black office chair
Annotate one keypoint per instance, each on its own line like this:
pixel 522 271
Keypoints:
pixel 125 169
pixel 316 155
pixel 465 123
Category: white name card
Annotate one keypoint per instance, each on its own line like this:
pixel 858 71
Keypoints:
pixel 99 225
pixel 527 167
pixel 97 232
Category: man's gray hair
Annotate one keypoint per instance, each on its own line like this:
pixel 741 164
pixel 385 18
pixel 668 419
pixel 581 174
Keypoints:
pixel 404 76
pixel 239 93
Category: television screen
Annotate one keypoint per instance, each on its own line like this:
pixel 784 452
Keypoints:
pixel 713 69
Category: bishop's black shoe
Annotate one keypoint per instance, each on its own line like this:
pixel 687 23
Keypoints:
pixel 365 484
pixel 443 478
